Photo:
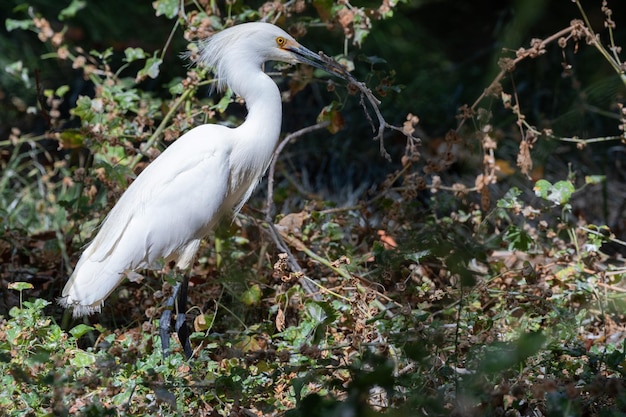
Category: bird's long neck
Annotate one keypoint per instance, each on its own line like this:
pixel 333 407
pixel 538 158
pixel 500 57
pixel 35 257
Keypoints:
pixel 264 106
pixel 257 136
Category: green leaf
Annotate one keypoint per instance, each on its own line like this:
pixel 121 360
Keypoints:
pixel 12 24
pixel 595 179
pixel 168 8
pixel 61 91
pixel 114 153
pixel 225 101
pixel 39 304
pixel 322 315
pixel 542 188
pixel 71 10
pixel 126 99
pixel 503 356
pixel 151 69
pixel 14 312
pixel 102 55
pixel 83 109
pixel 71 138
pixel 252 296
pixel 332 231
pixel 559 193
pixel 20 286
pixel 518 238
pixel 83 359
pixel 563 191
pixel 417 256
pixel 359 35
pixel 176 87
pixel 133 54
pixel 510 199
pixel 81 330
pixel 18 70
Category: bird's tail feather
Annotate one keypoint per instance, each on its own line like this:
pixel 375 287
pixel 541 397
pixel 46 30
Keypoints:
pixel 91 283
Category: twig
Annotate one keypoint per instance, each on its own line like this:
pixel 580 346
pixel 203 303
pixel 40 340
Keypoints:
pixel 279 149
pixel 511 66
pixel 300 246
pixel 305 282
pixel 342 72
pixel 609 238
pixel 337 69
pixel 42 104
pixel 157 133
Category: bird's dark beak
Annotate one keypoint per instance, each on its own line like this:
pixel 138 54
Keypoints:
pixel 321 61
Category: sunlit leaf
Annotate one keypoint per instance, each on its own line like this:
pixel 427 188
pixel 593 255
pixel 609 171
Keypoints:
pixel 20 286
pixel 150 69
pixel 559 193
pixel 83 359
pixel 133 54
pixel 510 199
pixel 71 139
pixel 203 322
pixel 70 11
pixel 80 330
pixel 62 90
pixel 222 105
pixel 167 8
pixel 595 179
pixel 563 191
pixel 13 24
pixel 18 70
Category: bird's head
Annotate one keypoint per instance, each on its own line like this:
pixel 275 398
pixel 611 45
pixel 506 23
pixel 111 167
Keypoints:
pixel 256 43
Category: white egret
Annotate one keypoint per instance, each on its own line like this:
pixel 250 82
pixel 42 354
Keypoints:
pixel 206 174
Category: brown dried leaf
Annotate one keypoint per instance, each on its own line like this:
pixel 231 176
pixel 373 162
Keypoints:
pixel 280 320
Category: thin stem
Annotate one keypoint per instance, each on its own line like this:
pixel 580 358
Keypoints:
pixel 305 281
pixel 270 179
pixel 157 133
pixel 171 36
pixel 514 62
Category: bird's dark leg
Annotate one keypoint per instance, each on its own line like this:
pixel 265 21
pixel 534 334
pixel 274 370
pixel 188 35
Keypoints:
pixel 181 318
pixel 181 328
pixel 165 322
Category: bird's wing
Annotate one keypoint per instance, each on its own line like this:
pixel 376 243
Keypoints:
pixel 171 205
pixel 177 195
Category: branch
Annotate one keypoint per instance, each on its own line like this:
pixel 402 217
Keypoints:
pixel 272 169
pixel 522 54
pixel 307 283
pixel 366 93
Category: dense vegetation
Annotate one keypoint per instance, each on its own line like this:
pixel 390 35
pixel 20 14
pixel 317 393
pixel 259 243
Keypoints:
pixel 475 272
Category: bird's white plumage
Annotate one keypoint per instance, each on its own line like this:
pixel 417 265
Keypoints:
pixel 159 216
pixel 207 173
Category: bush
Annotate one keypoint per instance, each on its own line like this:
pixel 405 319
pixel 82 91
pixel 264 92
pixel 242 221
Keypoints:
pixel 476 275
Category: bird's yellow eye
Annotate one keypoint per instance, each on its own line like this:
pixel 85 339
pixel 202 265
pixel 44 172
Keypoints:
pixel 280 41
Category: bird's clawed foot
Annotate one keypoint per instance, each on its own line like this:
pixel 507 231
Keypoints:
pixel 182 330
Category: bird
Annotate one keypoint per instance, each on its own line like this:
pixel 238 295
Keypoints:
pixel 204 176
